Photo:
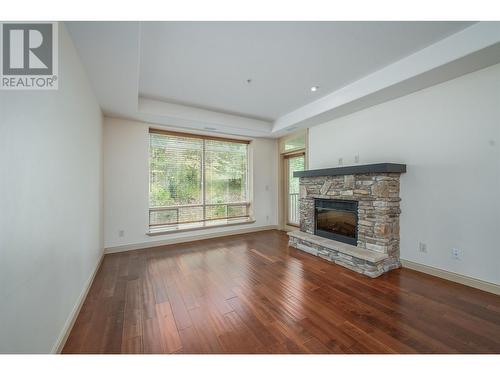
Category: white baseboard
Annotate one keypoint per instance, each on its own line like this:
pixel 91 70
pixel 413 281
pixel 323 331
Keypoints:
pixel 61 341
pixel 171 241
pixel 455 277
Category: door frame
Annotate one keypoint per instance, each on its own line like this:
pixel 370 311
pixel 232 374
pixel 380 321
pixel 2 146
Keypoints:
pixel 283 177
pixel 286 182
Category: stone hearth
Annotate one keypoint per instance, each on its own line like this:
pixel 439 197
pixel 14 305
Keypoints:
pixel 376 189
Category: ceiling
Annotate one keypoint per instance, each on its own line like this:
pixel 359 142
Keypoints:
pixel 193 75
pixel 207 64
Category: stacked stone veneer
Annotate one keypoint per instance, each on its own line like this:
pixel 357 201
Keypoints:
pixel 378 218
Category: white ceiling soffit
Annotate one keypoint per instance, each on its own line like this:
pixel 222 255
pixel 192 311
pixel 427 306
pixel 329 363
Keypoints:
pixel 161 112
pixel 110 52
pixel 469 50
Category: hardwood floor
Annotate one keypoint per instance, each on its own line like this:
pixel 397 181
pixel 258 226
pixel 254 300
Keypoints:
pixel 253 294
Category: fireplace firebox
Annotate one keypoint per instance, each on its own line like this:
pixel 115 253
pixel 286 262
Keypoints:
pixel 336 219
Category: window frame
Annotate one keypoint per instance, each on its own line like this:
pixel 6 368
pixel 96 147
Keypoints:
pixel 205 222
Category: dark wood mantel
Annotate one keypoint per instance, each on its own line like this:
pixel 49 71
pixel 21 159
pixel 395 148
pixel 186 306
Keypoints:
pixel 353 169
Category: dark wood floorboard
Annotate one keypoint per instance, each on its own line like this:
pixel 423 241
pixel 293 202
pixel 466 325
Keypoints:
pixel 252 293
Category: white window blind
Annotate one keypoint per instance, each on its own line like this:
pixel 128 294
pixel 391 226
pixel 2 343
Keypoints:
pixel 196 179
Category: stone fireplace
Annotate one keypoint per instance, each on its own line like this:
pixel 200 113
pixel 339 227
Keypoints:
pixel 350 216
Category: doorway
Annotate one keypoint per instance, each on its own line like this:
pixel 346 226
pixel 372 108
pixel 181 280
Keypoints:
pixel 293 163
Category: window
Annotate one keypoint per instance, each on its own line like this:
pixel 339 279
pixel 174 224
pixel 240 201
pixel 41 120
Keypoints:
pixel 196 180
pixel 293 163
pixel 295 142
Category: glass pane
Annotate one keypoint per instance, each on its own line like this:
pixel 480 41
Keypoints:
pixel 225 172
pixel 176 215
pixel 339 222
pixel 216 212
pixel 190 214
pixel 163 217
pixel 237 211
pixel 175 170
pixel 295 143
pixel 294 164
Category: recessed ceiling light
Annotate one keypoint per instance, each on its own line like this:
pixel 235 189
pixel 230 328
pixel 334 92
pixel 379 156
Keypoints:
pixel 314 88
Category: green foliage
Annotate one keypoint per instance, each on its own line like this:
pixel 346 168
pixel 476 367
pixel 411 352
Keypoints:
pixel 225 174
pixel 176 172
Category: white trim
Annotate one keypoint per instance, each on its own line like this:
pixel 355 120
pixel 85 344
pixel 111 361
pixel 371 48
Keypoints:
pixel 451 276
pixel 171 241
pixel 189 116
pixel 63 337
pixel 289 228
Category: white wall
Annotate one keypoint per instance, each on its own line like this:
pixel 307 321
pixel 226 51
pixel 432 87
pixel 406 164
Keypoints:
pixel 50 205
pixel 126 171
pixel 449 137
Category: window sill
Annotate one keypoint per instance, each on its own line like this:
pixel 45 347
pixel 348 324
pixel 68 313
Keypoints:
pixel 178 228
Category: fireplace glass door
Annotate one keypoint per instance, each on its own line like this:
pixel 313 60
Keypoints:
pixel 336 220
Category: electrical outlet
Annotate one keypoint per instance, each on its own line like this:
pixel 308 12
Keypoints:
pixel 455 254
pixel 121 233
pixel 356 158
pixel 422 247
pixel 341 161
pixel 267 218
